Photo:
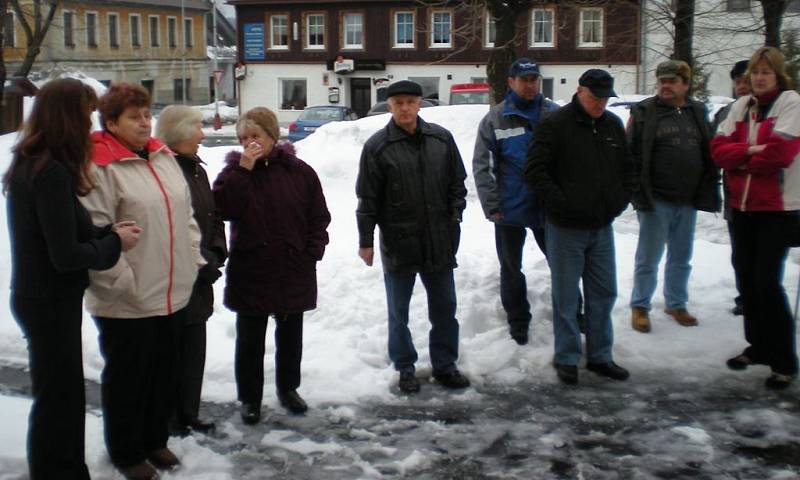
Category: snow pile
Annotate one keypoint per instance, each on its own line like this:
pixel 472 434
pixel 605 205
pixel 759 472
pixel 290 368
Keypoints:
pixel 227 113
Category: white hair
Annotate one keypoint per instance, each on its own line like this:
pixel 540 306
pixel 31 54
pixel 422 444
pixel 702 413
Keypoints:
pixel 176 123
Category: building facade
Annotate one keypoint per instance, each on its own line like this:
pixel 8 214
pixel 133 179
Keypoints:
pixel 305 52
pixel 151 42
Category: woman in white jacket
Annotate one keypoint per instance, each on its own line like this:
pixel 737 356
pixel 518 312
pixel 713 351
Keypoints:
pixel 138 304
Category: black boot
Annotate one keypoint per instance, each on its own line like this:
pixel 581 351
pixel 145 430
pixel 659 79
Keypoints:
pixel 292 401
pixel 251 413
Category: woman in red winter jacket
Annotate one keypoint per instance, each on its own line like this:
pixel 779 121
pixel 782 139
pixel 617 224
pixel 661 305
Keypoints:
pixel 758 147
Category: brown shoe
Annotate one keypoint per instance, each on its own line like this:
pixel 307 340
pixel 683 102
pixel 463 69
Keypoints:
pixel 140 471
pixel 640 319
pixel 681 316
pixel 164 459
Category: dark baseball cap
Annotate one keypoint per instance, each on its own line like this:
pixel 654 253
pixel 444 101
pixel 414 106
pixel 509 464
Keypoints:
pixel 738 69
pixel 674 68
pixel 523 67
pixel 404 87
pixel 599 82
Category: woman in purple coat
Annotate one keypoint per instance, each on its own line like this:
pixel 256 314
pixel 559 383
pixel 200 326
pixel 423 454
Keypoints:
pixel 278 218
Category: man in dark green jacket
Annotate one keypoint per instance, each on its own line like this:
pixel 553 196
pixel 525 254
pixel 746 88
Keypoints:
pixel 411 185
pixel 579 166
pixel 675 177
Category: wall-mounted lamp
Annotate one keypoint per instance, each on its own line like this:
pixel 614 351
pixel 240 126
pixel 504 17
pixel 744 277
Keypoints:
pixel 563 81
pixel 449 76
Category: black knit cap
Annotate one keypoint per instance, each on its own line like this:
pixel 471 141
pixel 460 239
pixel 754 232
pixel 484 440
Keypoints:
pixel 738 69
pixel 404 87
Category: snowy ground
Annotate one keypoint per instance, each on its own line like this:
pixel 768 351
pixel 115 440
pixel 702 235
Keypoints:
pixel 682 414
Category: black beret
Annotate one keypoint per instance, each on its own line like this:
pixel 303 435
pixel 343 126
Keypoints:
pixel 404 87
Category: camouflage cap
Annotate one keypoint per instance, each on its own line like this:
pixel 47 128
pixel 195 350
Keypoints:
pixel 674 68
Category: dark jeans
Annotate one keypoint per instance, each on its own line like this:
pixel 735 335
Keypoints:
pixel 251 331
pixel 56 424
pixel 509 242
pixel 738 299
pixel 190 364
pixel 761 244
pixel 137 380
pixel 443 336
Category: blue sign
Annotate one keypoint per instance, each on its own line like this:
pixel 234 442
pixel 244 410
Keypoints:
pixel 254 41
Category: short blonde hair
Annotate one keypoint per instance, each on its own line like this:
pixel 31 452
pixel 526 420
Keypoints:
pixel 776 62
pixel 261 117
pixel 176 123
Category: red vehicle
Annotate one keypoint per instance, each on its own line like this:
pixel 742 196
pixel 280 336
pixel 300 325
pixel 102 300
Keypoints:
pixel 469 93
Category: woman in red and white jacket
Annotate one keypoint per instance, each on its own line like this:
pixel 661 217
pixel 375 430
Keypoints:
pixel 758 147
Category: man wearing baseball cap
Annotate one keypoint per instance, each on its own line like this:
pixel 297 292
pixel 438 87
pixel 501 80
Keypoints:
pixel 502 142
pixel 675 178
pixel 411 185
pixel 580 168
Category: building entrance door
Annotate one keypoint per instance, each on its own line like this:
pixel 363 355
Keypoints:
pixel 360 95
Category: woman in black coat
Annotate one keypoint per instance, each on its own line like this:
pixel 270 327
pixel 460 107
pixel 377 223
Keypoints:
pixel 53 244
pixel 278 218
pixel 180 127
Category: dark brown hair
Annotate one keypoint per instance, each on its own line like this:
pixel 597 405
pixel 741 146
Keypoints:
pixel 119 97
pixel 58 129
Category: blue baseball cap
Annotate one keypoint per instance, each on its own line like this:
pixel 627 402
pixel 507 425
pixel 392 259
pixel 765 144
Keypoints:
pixel 523 67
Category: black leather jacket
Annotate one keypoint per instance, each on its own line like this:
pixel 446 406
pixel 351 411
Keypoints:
pixel 412 187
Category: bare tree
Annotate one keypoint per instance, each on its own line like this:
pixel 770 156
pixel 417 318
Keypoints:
pixel 684 31
pixel 773 17
pixel 35 26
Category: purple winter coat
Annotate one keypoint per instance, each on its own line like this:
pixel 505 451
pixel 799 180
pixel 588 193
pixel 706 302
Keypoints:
pixel 278 221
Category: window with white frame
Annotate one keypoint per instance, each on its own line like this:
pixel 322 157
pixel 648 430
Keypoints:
pixel 404 29
pixel 155 39
pixel 590 32
pixel 69 28
pixel 315 31
pixel 135 21
pixel 91 29
pixel 353 30
pixel 113 30
pixel 441 35
pixel 9 35
pixel 172 32
pixel 279 32
pixel 489 30
pixel 188 32
pixel 542 27
pixel 293 93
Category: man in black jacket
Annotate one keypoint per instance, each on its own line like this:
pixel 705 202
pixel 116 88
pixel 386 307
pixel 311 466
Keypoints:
pixel 675 178
pixel 579 166
pixel 411 185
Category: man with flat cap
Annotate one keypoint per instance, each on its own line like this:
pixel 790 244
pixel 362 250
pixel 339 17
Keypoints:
pixel 580 167
pixel 504 135
pixel 675 177
pixel 411 185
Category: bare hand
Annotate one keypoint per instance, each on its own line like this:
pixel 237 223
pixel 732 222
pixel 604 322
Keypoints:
pixel 251 153
pixel 128 234
pixel 367 254
pixel 754 149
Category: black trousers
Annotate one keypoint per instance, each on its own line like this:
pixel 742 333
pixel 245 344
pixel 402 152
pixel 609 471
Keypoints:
pixel 56 426
pixel 189 365
pixel 251 332
pixel 761 244
pixel 738 299
pixel 137 383
pixel 509 241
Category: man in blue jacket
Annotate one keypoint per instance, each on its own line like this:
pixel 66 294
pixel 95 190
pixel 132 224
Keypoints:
pixel 497 164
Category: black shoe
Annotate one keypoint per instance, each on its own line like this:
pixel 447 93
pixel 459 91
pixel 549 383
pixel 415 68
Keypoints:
pixel 292 401
pixel 177 429
pixel 198 425
pixel 521 339
pixel 739 362
pixel 452 379
pixel 778 381
pixel 738 310
pixel 519 332
pixel 251 413
pixel 609 369
pixel 566 373
pixel 408 382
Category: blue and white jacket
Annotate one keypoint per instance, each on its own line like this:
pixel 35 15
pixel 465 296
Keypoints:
pixel 504 135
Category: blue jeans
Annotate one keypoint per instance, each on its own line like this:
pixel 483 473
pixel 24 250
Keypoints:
pixel 573 255
pixel 443 336
pixel 672 225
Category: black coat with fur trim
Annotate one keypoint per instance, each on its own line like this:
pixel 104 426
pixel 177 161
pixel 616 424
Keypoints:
pixel 279 222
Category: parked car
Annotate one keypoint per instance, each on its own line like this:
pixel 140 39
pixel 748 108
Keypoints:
pixel 314 117
pixel 383 107
pixel 469 93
